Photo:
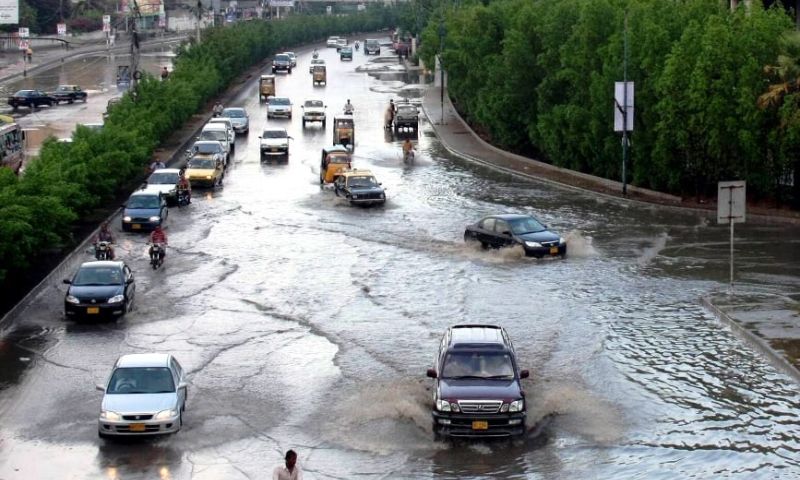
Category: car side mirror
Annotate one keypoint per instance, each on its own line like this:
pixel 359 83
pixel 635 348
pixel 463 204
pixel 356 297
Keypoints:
pixel 68 282
pixel 182 385
pixel 100 387
pixel 524 374
pixel 259 136
pixel 431 373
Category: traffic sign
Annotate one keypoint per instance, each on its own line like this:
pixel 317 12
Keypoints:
pixel 62 29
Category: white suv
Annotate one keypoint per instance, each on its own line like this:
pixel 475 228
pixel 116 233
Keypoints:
pixel 314 111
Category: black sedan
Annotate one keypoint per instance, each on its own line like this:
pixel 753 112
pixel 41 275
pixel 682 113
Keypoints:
pixel 30 99
pixel 100 290
pixel 499 231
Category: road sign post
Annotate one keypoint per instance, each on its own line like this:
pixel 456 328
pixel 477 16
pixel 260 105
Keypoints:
pixel 731 206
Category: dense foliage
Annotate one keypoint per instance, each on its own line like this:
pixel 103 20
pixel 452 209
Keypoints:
pixel 538 77
pixel 68 181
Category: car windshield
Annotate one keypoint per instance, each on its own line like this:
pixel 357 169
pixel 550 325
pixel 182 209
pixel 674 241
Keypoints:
pixel 97 276
pixel 274 134
pixel 208 148
pixel 279 101
pixel 233 113
pixel 163 178
pixel 141 380
pixel 525 225
pixel 314 103
pixel 218 135
pixel 143 201
pixel 282 58
pixel 339 158
pixel 409 110
pixel 477 365
pixel 362 181
pixel 201 163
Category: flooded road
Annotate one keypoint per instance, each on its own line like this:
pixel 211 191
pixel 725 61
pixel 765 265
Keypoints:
pixel 306 323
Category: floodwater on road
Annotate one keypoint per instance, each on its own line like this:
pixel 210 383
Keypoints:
pixel 306 323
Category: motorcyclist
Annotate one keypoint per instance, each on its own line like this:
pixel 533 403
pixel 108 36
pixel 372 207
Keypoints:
pixel 408 150
pixel 356 45
pixel 158 237
pixel 218 108
pixel 348 108
pixel 184 186
pixel 104 235
pixel 315 54
pixel 157 165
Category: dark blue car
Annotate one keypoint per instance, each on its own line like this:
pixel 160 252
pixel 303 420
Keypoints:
pixel 100 290
pixel 144 210
pixel 499 231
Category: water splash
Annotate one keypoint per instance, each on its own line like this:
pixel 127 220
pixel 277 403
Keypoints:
pixel 579 245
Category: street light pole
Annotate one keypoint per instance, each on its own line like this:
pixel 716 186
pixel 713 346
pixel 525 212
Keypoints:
pixel 625 106
pixel 442 33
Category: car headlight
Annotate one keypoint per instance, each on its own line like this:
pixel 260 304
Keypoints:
pixel 72 299
pixel 126 219
pixel 166 414
pixel 517 406
pixel 561 241
pixel 110 416
pixel 116 299
pixel 443 405
pixel 533 244
pixel 208 177
pixel 355 196
pixel 155 218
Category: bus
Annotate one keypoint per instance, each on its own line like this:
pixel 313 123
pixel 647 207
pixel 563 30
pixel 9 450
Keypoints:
pixel 11 146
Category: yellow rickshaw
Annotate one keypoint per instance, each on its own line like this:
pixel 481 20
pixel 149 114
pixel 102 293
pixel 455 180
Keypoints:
pixel 319 75
pixel 335 160
pixel 344 131
pixel 266 87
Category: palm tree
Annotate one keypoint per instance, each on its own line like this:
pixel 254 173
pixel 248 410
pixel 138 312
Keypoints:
pixel 786 72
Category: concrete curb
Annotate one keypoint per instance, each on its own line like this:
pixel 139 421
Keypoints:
pixel 753 340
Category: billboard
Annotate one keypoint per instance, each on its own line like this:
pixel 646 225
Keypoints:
pixel 281 3
pixel 146 7
pixel 9 11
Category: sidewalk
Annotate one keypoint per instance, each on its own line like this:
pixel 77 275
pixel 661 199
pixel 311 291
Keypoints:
pixel 768 321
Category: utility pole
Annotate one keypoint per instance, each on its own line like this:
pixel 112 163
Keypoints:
pixel 199 16
pixel 442 33
pixel 625 103
pixel 137 15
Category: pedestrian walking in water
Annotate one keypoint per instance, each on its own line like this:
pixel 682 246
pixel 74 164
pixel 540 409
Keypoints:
pixel 289 471
pixel 29 54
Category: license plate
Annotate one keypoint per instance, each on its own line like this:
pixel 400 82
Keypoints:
pixel 137 427
pixel 480 425
pixel 553 250
pixel 93 310
pixel 136 226
pixel 274 149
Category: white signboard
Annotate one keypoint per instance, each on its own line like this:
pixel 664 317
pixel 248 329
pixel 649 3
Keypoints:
pixel 61 28
pixel 9 11
pixel 361 7
pixel 619 106
pixel 24 32
pixel 329 10
pixel 281 3
pixel 106 23
pixel 731 202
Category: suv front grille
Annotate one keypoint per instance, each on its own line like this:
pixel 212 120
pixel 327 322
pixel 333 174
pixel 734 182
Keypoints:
pixel 480 406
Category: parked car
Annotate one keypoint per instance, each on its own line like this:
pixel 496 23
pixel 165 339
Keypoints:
pixel 292 57
pixel 372 46
pixel 346 53
pixel 144 210
pixel 314 111
pixel 497 231
pixel 144 395
pixel 333 42
pixel 274 141
pixel 282 62
pixel 165 182
pixel 315 61
pixel 279 107
pixel 477 390
pixel 100 289
pixel 239 119
pixel 30 99
pixel 69 94
pixel 359 187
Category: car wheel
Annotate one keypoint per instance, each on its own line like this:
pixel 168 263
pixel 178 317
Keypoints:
pixel 290 71
pixel 70 101
pixel 304 123
pixel 484 245
pixel 102 435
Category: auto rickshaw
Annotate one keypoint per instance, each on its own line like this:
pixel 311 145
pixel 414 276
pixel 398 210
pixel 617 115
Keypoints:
pixel 335 159
pixel 320 75
pixel 266 87
pixel 344 131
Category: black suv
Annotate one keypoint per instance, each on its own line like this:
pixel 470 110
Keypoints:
pixel 282 62
pixel 477 391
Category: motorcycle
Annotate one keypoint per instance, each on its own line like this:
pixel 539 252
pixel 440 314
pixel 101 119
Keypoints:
pixel 356 45
pixel 315 55
pixel 102 251
pixel 183 197
pixel 156 255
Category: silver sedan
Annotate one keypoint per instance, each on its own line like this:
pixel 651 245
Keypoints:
pixel 145 395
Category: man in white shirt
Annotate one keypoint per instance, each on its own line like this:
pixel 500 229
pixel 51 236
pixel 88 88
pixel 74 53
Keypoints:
pixel 289 472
